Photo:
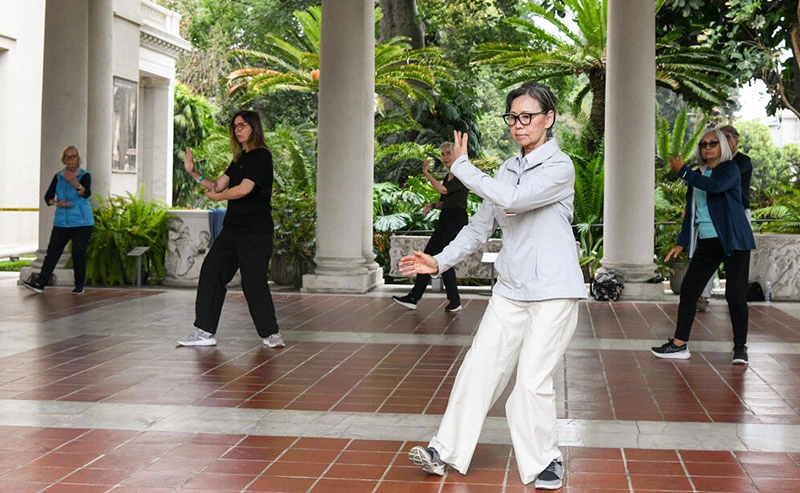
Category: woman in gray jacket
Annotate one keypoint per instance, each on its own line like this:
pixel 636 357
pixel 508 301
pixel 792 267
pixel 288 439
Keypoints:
pixel 533 310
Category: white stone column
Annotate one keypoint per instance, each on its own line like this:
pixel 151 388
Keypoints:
pixel 64 101
pixel 630 146
pixel 101 95
pixel 344 261
pixel 155 137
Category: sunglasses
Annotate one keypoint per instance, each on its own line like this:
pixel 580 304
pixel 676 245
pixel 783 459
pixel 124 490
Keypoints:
pixel 708 143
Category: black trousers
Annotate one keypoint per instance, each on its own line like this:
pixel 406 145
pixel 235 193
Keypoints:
pixel 250 253
pixel 59 238
pixel 707 257
pixel 450 223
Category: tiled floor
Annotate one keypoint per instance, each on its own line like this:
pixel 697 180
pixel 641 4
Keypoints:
pixel 94 396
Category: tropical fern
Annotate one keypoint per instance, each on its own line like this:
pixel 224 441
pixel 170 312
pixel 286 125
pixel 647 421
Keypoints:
pixel 402 74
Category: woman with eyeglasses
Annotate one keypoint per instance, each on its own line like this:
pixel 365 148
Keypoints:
pixel 533 310
pixel 245 242
pixel 69 193
pixel 715 231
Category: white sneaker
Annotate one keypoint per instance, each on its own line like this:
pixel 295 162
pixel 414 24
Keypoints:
pixel 428 459
pixel 274 340
pixel 198 338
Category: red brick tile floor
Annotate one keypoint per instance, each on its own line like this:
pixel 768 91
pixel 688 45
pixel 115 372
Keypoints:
pixel 94 396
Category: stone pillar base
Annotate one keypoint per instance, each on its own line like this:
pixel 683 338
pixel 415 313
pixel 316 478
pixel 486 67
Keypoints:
pixel 343 284
pixel 630 271
pixel 643 291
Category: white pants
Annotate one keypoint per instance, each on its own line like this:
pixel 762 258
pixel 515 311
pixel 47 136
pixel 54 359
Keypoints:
pixel 539 332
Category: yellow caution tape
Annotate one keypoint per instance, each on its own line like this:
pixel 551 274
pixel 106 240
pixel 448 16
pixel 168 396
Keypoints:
pixel 17 209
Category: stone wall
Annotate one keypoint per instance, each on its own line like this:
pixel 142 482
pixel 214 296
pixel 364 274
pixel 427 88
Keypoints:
pixel 777 259
pixel 189 234
pixel 471 268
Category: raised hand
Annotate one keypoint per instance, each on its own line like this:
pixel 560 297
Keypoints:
pixel 426 165
pixel 676 163
pixel 460 141
pixel 188 161
pixel 418 263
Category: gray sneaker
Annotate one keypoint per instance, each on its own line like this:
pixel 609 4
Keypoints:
pixel 551 478
pixel 274 340
pixel 198 338
pixel 428 459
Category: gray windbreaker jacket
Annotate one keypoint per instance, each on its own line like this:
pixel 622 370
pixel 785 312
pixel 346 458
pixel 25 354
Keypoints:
pixel 530 199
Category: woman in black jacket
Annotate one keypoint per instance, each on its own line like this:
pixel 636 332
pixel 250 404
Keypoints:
pixel 715 230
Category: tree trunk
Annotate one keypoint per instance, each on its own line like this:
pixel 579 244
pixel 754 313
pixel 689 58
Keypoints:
pixel 597 114
pixel 400 19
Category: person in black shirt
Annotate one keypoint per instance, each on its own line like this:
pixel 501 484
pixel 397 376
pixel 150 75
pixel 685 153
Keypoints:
pixel 245 242
pixel 453 204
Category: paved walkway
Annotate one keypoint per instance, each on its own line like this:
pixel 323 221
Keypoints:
pixel 94 396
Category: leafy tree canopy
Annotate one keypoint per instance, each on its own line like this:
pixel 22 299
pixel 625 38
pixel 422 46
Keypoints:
pixel 759 38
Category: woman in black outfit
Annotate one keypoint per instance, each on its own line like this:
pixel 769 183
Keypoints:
pixel 245 242
pixel 453 217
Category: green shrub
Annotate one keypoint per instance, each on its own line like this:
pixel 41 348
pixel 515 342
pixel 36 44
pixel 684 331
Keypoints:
pixel 294 246
pixel 121 224
pixel 14 265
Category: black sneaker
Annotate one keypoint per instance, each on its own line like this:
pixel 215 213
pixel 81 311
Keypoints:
pixel 428 459
pixel 671 351
pixel 453 306
pixel 551 478
pixel 740 355
pixel 33 286
pixel 78 291
pixel 407 301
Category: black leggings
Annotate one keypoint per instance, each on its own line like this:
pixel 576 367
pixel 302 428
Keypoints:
pixel 707 257
pixel 59 238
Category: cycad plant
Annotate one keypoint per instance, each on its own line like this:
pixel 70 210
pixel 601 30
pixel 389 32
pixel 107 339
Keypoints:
pixel 402 74
pixel 670 192
pixel 579 48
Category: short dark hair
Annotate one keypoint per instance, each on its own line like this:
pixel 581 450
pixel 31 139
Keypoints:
pixel 539 92
pixel 256 136
pixel 730 129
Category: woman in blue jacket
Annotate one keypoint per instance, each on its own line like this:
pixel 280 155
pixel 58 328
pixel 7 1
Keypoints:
pixel 715 230
pixel 69 193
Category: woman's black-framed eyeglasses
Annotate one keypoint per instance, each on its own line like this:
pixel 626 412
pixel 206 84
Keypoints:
pixel 524 118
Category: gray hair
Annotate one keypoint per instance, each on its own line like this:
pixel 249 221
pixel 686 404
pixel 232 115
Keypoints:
pixel 447 145
pixel 725 149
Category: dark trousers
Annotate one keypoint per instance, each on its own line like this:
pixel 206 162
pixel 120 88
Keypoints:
pixel 707 257
pixel 450 223
pixel 250 253
pixel 59 238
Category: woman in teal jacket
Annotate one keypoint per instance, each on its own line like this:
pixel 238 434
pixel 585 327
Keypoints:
pixel 715 230
pixel 69 193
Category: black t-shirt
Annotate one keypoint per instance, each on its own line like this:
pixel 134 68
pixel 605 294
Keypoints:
pixel 456 196
pixel 254 209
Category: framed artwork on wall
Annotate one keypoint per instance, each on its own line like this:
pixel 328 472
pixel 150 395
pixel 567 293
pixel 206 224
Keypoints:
pixel 125 108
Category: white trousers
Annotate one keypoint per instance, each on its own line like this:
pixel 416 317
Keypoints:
pixel 531 336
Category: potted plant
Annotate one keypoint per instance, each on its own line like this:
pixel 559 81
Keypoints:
pixel 295 216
